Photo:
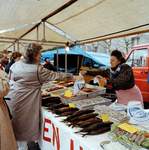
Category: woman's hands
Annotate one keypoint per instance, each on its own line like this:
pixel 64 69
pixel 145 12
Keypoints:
pixel 101 78
pixel 79 78
pixel 83 72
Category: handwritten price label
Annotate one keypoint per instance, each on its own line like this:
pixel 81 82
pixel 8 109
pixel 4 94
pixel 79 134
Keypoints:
pixel 62 82
pixel 72 105
pixel 105 117
pixel 68 93
pixel 128 128
pixel 53 95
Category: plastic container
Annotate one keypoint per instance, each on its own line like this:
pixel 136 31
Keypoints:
pixel 83 95
pixel 100 90
pixel 89 103
pixel 47 86
pixel 113 114
pixel 58 92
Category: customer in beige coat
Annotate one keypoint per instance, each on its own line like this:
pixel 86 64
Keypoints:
pixel 7 141
pixel 26 78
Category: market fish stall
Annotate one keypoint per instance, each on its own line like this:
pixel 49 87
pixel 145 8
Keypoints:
pixel 70 127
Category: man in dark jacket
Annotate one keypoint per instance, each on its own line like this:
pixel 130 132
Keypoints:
pixel 48 65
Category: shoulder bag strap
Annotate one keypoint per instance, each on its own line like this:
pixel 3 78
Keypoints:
pixel 38 75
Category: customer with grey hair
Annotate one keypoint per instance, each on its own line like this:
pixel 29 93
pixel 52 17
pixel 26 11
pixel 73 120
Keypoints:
pixel 26 78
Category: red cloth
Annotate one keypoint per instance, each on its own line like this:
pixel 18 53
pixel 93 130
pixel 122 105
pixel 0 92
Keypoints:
pixel 1 67
pixel 108 85
pixel 133 94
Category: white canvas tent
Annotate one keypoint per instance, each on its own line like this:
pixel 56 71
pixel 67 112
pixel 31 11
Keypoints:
pixel 85 20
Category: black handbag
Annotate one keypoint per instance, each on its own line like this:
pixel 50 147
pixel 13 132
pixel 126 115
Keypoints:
pixel 10 116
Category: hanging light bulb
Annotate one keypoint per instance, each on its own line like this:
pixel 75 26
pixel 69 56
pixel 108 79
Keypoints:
pixel 67 46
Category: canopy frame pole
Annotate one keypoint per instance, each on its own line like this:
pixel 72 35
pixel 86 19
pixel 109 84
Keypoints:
pixel 7 41
pixel 43 32
pixel 27 42
pixel 30 40
pixel 59 9
pixel 57 60
pixel 37 34
pixel 18 45
pixel 65 60
pixel 14 47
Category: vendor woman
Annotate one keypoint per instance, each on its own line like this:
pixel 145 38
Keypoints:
pixel 26 78
pixel 120 77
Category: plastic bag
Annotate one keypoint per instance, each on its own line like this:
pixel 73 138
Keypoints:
pixel 118 108
pixel 137 113
pixel 79 85
pixel 96 80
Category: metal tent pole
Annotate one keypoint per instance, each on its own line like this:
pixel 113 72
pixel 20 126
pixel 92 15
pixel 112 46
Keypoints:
pixel 65 60
pixel 14 46
pixel 44 31
pixel 57 60
pixel 18 45
pixel 37 34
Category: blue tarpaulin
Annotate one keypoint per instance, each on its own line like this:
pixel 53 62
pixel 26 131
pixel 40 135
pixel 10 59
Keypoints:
pixel 100 58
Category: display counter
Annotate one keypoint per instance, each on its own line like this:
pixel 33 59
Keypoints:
pixel 56 135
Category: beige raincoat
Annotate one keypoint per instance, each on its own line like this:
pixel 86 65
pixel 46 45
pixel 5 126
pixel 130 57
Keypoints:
pixel 26 78
pixel 7 141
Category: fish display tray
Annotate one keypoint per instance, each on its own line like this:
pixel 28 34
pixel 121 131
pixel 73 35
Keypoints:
pixel 127 144
pixel 101 90
pixel 89 103
pixel 44 87
pixel 83 95
pixel 54 86
pixel 47 85
pixel 71 88
pixel 58 92
pixel 57 83
pixel 113 114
